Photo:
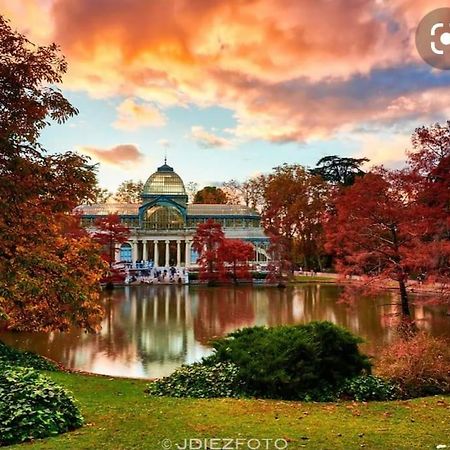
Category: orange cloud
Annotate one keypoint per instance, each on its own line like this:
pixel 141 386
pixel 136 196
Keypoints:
pixel 262 59
pixel 31 17
pixel 388 150
pixel 207 139
pixel 115 156
pixel 133 115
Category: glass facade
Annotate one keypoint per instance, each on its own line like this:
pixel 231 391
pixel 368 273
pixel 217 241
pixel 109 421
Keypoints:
pixel 163 218
pixel 167 183
pixel 164 207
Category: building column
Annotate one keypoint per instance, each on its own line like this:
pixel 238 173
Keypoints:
pixel 167 254
pixel 178 253
pixel 155 254
pixel 145 250
pixel 134 252
pixel 187 253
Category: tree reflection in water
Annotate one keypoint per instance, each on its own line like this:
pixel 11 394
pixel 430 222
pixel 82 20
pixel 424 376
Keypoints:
pixel 148 331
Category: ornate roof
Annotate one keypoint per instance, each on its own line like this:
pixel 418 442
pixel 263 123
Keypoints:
pixel 164 182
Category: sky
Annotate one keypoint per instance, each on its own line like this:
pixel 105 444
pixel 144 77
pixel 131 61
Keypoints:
pixel 232 88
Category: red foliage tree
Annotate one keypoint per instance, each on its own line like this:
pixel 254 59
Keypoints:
pixel 394 225
pixel 374 231
pixel 237 254
pixel 110 233
pixel 49 269
pixel 208 241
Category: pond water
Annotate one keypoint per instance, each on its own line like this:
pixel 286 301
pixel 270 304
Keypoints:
pixel 149 331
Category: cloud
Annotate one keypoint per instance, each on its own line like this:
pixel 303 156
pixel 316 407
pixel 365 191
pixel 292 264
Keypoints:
pixel 206 139
pixel 164 143
pixel 389 150
pixel 133 115
pixel 31 17
pixel 290 70
pixel 124 154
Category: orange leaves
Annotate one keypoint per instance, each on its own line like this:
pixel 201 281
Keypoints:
pixel 58 287
pixel 211 195
pixel 110 232
pixel 49 267
pixel 296 203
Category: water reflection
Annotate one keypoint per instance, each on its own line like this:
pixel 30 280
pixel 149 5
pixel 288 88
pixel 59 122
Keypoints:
pixel 148 331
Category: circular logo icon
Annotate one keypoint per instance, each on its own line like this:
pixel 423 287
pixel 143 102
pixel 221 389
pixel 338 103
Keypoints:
pixel 433 38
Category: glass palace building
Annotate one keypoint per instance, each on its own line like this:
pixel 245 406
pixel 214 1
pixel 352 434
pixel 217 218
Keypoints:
pixel 163 225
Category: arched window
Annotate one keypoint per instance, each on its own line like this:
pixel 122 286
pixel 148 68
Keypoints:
pixel 125 252
pixel 163 218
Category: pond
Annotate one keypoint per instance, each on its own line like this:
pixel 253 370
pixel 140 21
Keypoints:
pixel 149 331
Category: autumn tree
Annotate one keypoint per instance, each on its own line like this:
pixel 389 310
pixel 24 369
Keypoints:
pixel 210 195
pixel 129 192
pixel 375 230
pixel 191 190
pixel 98 195
pixel 253 190
pixel 110 234
pixel 339 170
pixel 249 193
pixel 393 225
pixel 237 254
pixel 234 192
pixel 295 204
pixel 207 242
pixel 428 173
pixel 48 276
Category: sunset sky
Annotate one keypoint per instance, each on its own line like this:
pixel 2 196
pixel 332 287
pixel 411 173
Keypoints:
pixel 231 88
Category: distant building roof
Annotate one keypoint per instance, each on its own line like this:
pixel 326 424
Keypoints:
pixel 132 209
pixel 103 209
pixel 199 209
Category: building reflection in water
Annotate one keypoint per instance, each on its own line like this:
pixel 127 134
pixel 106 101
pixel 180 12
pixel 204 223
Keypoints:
pixel 149 331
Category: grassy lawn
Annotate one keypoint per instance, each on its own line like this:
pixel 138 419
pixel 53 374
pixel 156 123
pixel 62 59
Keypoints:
pixel 314 279
pixel 120 416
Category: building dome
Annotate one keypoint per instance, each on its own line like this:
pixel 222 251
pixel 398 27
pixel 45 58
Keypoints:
pixel 164 182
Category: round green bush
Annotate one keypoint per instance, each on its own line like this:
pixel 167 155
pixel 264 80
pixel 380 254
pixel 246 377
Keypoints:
pixel 367 388
pixel 32 406
pixel 292 362
pixel 10 356
pixel 199 381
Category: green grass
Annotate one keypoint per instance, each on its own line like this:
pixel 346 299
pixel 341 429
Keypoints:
pixel 120 416
pixel 314 279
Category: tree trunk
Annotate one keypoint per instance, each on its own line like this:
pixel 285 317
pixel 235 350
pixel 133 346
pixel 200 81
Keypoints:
pixel 404 299
pixel 406 313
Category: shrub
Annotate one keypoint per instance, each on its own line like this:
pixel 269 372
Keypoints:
pixel 11 356
pixel 32 406
pixel 259 275
pixel 292 362
pixel 368 387
pixel 420 365
pixel 193 276
pixel 200 381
